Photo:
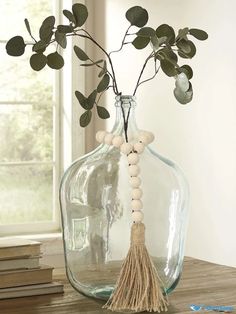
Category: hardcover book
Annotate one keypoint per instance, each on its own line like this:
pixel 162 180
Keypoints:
pixel 19 263
pixel 15 278
pixel 31 290
pixel 14 247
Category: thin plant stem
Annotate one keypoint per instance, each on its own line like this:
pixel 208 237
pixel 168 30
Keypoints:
pixel 141 73
pixel 108 72
pixel 152 77
pixel 110 61
pixel 115 89
pixel 102 93
pixel 122 43
pixel 125 123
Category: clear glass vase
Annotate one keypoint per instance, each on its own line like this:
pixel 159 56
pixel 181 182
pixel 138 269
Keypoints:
pixel 96 215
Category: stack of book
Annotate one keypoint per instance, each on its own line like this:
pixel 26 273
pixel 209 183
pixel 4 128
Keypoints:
pixel 20 271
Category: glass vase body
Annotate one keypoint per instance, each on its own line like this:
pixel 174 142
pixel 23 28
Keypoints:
pixel 95 197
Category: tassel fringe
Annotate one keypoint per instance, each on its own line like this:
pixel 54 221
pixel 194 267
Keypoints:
pixel 138 286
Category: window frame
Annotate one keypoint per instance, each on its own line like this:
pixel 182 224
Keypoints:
pixel 68 138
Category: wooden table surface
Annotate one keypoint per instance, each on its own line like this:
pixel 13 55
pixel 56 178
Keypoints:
pixel 201 283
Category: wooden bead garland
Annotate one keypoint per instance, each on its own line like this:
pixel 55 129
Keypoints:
pixel 132 151
pixel 138 276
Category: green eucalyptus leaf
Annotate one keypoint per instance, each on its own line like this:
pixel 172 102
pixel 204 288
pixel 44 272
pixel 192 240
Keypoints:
pixel 137 16
pixel 182 82
pixel 168 67
pixel 168 54
pixel 182 34
pixel 16 46
pixel 162 40
pixel 146 32
pixel 91 64
pixel 198 33
pixel 103 112
pixel 65 29
pixel 192 52
pixel 61 39
pixel 154 43
pixel 187 70
pixel 104 83
pixel 80 54
pixel 70 16
pixel 91 99
pixel 55 61
pixel 40 46
pixel 86 103
pixel 184 97
pixel 82 100
pixel 184 46
pixel 140 42
pixel 80 13
pixel 101 73
pixel 104 69
pixel 167 31
pixel 85 118
pixel 46 29
pixel 38 61
pixel 28 26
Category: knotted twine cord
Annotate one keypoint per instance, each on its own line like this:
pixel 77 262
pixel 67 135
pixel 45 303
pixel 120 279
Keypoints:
pixel 138 286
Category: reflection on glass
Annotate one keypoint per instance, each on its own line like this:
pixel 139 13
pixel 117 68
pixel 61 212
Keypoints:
pixel 80 231
pixel 25 194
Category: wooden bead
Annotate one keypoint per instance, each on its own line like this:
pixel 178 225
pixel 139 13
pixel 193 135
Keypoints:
pixel 126 148
pixel 151 137
pixel 139 147
pixel 137 216
pixel 144 139
pixel 136 205
pixel 137 194
pixel 100 135
pixel 117 141
pixel 134 170
pixel 146 136
pixel 135 182
pixel 108 138
pixel 133 159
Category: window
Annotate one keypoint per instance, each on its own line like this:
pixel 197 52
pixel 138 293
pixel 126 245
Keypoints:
pixel 29 128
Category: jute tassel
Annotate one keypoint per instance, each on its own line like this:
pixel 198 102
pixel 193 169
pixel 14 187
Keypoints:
pixel 138 286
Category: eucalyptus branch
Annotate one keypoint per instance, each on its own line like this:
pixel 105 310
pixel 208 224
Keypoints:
pixel 125 123
pixel 163 38
pixel 112 75
pixel 108 72
pixel 123 41
pixel 152 77
pixel 110 61
pixel 101 94
pixel 141 73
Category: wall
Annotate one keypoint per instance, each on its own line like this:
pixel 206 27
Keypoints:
pixel 200 137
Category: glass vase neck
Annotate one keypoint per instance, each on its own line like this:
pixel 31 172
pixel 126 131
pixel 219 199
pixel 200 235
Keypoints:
pixel 125 101
pixel 125 111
